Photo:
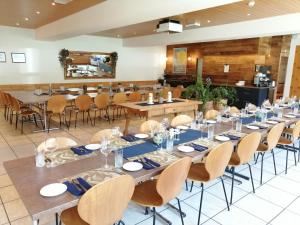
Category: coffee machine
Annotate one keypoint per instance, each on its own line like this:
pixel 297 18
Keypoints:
pixel 263 78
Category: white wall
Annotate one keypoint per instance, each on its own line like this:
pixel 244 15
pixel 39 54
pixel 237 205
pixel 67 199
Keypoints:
pixel 42 66
pixel 289 72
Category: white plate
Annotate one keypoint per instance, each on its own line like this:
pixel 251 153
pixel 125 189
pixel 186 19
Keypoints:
pixel 93 147
pixel 141 135
pixel 222 138
pixel 52 190
pixel 211 121
pixel 169 101
pixel 184 148
pixel 289 116
pixel 272 122
pixel 182 127
pixel 252 111
pixel 251 127
pixel 132 166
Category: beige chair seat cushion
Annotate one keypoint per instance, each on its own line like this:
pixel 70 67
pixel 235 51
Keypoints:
pixel 234 160
pixel 71 217
pixel 145 194
pixel 262 147
pixel 198 173
pixel 284 141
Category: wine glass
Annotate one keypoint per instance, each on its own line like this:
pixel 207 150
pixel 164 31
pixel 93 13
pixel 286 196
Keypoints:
pixel 165 123
pixel 158 139
pixel 50 144
pixel 105 150
pixel 199 117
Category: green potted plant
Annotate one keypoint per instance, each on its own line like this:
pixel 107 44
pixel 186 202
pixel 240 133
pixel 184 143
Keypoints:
pixel 223 95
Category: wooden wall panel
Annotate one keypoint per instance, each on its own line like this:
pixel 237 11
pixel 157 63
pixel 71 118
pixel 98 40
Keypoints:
pixel 295 85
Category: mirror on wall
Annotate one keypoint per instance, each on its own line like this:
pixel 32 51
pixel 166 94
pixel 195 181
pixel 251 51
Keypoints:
pixel 88 65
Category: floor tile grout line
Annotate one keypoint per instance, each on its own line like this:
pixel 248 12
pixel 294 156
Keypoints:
pixel 5 211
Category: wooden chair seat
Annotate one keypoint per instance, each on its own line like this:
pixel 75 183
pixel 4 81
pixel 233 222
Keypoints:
pixel 234 160
pixel 198 172
pixel 284 141
pixel 71 216
pixel 145 194
pixel 262 147
pixel 288 131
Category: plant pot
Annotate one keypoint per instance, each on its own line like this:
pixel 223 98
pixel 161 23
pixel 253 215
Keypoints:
pixel 220 104
pixel 208 106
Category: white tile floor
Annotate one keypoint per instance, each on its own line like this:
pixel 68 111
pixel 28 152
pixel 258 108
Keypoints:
pixel 276 202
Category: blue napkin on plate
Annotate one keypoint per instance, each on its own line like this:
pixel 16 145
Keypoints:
pixel 129 138
pixel 232 137
pixel 81 150
pixel 149 161
pixel 197 147
pixel 84 183
pixel 73 189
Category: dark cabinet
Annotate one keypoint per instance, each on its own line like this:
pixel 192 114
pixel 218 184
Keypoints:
pixel 254 95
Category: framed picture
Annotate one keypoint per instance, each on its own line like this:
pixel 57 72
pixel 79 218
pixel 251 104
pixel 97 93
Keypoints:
pixel 18 57
pixel 179 60
pixel 2 57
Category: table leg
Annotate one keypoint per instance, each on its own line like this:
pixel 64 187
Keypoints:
pixel 127 121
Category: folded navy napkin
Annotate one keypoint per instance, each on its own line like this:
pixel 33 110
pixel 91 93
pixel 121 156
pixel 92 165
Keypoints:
pixel 149 161
pixel 197 147
pixel 129 138
pixel 146 166
pixel 232 137
pixel 73 189
pixel 81 150
pixel 83 183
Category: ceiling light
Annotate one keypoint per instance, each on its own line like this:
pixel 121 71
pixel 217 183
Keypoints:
pixel 251 3
pixel 208 21
pixel 38 12
pixel 249 14
pixel 18 24
pixel 26 18
pixel 53 3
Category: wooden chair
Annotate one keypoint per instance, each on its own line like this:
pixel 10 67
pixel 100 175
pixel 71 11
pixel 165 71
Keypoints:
pixel 62 143
pixel 103 204
pixel 243 154
pixel 3 102
pixel 148 126
pixel 102 104
pixel 117 99
pixel 211 114
pixel 23 112
pixel 96 138
pixel 288 143
pixel 181 120
pixel 56 105
pixel 135 97
pixel 158 192
pixel 177 92
pixel 234 110
pixel 270 143
pixel 83 104
pixel 213 168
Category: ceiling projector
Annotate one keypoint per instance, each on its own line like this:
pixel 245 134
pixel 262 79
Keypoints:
pixel 168 25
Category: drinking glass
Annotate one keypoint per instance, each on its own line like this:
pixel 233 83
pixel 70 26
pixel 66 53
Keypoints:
pixel 210 132
pixel 199 117
pixel 39 158
pixel 238 124
pixel 165 123
pixel 105 150
pixel 118 157
pixel 158 139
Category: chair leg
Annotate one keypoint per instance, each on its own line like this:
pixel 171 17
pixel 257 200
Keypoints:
pixel 251 177
pixel 299 150
pixel 107 114
pixel 89 117
pixel 257 157
pixel 95 114
pixel 76 114
pixel 154 215
pixel 146 210
pixel 186 185
pixel 49 123
pixel 56 219
pixel 180 211
pixel 200 206
pixel 225 195
pixel 192 185
pixel 22 125
pixel 17 119
pixel 232 184
pixel 82 116
pixel 294 147
pixel 59 120
pixel 286 160
pixel 43 126
pixel 262 167
pixel 34 118
pixel 274 162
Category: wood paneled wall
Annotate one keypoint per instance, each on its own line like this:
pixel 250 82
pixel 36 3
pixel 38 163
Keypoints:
pixel 295 85
pixel 241 55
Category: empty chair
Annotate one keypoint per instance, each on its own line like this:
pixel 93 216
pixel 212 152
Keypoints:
pixel 176 93
pixel 83 104
pixel 56 105
pixel 288 143
pixel 181 120
pixel 97 138
pixel 158 192
pixel 102 105
pixel 243 154
pixel 103 204
pixel 117 99
pixel 135 97
pixel 211 114
pixel 149 126
pixel 62 143
pixel 270 143
pixel 213 168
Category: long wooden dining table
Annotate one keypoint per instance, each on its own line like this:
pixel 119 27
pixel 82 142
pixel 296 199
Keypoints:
pixel 29 179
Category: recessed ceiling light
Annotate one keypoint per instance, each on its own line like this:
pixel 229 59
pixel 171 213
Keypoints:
pixel 38 12
pixel 53 3
pixel 18 24
pixel 251 3
pixel 208 21
pixel 249 14
pixel 26 18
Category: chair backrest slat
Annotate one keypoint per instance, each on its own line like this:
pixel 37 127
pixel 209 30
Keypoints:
pixel 274 135
pixel 181 120
pixel 247 146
